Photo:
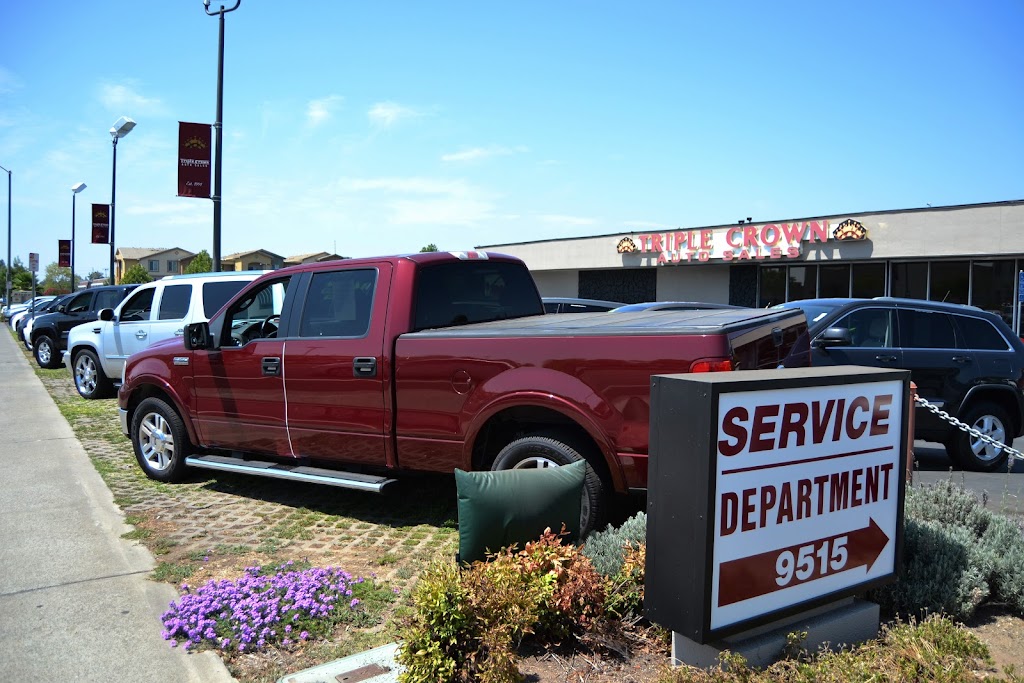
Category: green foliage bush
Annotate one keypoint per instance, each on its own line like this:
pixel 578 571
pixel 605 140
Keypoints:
pixel 956 555
pixel 607 549
pixel 135 274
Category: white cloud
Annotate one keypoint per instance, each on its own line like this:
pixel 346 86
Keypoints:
pixel 386 114
pixel 477 153
pixel 319 111
pixel 566 220
pixel 124 100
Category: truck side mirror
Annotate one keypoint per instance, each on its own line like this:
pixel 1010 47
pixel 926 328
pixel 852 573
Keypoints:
pixel 106 314
pixel 834 336
pixel 197 336
pixel 62 309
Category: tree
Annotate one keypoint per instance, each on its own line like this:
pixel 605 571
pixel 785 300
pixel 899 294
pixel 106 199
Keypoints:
pixel 200 263
pixel 22 280
pixel 57 280
pixel 429 247
pixel 135 275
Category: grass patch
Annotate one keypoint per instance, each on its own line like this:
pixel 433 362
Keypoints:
pixel 387 558
pixel 171 572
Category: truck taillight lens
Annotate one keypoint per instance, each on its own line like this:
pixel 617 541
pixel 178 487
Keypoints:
pixel 711 365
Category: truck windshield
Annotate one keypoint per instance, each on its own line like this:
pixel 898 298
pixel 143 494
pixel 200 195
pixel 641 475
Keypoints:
pixel 474 291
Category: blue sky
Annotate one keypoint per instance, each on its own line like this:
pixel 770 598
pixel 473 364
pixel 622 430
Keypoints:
pixel 376 128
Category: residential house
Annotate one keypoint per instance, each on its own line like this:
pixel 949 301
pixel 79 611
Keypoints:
pixel 158 263
pixel 261 259
pixel 312 258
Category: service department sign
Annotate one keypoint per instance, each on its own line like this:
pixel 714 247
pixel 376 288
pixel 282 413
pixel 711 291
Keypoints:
pixel 780 491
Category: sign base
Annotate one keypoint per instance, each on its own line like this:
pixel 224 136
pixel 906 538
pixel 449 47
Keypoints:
pixel 846 622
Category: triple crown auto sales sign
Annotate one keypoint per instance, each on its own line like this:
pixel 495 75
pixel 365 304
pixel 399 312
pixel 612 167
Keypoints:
pixel 803 497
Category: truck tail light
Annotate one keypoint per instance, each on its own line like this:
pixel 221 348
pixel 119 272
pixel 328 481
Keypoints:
pixel 711 365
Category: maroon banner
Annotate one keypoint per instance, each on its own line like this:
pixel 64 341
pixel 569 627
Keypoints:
pixel 101 223
pixel 63 253
pixel 194 154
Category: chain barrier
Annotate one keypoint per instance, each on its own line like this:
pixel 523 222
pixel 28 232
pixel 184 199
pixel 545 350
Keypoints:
pixel 963 426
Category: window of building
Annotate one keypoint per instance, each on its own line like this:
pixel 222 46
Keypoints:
pixel 174 302
pixel 992 287
pixel 834 280
pixel 868 280
pixel 803 282
pixel 950 281
pixel 172 266
pixel 772 288
pixel 154 265
pixel 256 265
pixel 910 280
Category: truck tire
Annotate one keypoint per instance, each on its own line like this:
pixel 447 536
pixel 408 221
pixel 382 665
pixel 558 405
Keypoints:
pixel 974 454
pixel 538 451
pixel 90 380
pixel 160 441
pixel 45 351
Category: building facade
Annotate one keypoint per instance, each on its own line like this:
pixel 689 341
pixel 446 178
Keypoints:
pixel 969 254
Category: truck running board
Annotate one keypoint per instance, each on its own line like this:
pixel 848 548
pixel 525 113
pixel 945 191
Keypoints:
pixel 312 475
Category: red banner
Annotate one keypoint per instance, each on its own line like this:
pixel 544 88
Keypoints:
pixel 101 223
pixel 194 154
pixel 63 253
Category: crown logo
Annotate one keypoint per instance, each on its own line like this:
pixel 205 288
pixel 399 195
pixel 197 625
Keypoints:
pixel 626 246
pixel 195 143
pixel 850 230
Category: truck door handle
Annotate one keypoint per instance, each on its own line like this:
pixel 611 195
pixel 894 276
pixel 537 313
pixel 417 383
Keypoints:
pixel 885 358
pixel 364 367
pixel 140 334
pixel 271 366
pixel 961 359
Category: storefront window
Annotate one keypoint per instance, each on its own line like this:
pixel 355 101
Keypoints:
pixel 834 280
pixel 993 287
pixel 772 288
pixel 910 280
pixel 950 281
pixel 868 279
pixel 803 282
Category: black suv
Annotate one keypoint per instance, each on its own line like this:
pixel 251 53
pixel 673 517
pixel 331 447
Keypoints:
pixel 964 360
pixel 50 331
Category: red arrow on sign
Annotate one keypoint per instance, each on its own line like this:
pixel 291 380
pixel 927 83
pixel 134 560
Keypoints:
pixel 751 577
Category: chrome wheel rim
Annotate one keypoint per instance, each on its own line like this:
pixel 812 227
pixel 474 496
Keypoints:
pixel 156 441
pixel 85 374
pixel 992 427
pixel 44 352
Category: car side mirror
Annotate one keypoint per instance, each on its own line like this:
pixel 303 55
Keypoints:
pixel 62 308
pixel 106 314
pixel 197 336
pixel 834 336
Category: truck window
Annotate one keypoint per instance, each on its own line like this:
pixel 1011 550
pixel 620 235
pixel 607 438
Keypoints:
pixel 174 302
pixel 79 303
pixel 216 294
pixel 338 304
pixel 109 298
pixel 138 307
pixel 472 292
pixel 257 315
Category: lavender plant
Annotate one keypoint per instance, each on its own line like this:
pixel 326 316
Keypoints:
pixel 259 609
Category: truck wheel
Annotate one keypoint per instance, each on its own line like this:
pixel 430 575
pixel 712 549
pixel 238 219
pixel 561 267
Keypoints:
pixel 90 380
pixel 160 440
pixel 973 453
pixel 543 451
pixel 45 351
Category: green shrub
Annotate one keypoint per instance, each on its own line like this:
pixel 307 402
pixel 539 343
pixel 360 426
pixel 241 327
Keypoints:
pixel 625 591
pixel 607 549
pixel 1003 545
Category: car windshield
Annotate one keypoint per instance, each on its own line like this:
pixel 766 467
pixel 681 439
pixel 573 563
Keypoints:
pixel 814 311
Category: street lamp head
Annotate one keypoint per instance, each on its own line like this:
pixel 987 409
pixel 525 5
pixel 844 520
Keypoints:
pixel 206 4
pixel 122 127
pixel 78 187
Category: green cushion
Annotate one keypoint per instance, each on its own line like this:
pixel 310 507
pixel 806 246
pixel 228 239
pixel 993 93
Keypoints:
pixel 498 509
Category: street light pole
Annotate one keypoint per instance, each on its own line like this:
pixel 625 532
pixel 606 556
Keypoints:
pixel 7 291
pixel 218 127
pixel 75 189
pixel 121 127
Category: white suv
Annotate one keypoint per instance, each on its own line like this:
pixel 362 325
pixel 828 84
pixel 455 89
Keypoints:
pixel 155 311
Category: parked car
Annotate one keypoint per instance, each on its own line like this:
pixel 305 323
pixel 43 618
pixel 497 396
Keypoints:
pixel 671 306
pixel 17 312
pixel 23 328
pixel 964 360
pixel 556 304
pixel 50 332
pixel 158 310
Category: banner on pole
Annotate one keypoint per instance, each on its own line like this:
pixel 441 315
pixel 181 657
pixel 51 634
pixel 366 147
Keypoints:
pixel 101 223
pixel 63 253
pixel 194 154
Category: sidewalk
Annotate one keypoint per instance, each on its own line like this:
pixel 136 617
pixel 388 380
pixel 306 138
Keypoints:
pixel 75 603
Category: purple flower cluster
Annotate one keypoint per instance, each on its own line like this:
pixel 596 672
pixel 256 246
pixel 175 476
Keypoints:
pixel 257 609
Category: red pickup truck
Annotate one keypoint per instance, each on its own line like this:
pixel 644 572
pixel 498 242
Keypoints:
pixel 349 372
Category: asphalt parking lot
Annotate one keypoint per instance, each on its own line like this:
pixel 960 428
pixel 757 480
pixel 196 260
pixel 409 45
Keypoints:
pixel 1004 490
